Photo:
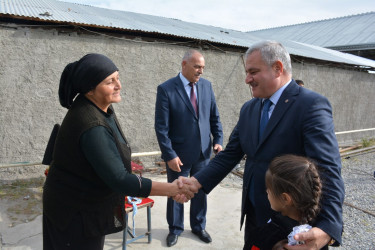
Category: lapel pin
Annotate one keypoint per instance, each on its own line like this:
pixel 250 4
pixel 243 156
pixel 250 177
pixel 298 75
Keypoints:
pixel 287 100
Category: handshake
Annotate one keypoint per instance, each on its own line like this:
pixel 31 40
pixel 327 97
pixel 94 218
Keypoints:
pixel 184 189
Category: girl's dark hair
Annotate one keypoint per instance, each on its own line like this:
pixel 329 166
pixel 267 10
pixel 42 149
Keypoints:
pixel 299 177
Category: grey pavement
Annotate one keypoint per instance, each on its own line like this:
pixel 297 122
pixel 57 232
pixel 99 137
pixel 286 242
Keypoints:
pixel 223 224
pixel 224 215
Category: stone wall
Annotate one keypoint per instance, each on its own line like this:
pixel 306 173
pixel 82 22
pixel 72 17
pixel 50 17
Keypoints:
pixel 31 62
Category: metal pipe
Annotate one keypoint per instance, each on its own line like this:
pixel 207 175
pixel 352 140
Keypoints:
pixel 146 154
pixel 39 163
pixel 20 165
pixel 354 131
pixel 158 152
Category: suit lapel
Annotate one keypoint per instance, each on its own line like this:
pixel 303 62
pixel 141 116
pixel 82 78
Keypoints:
pixel 254 126
pixel 182 92
pixel 199 95
pixel 286 100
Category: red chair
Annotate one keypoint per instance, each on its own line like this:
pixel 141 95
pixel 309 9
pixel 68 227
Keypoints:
pixel 145 203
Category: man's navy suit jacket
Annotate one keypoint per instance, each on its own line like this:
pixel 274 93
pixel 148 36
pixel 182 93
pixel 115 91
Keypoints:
pixel 301 124
pixel 178 129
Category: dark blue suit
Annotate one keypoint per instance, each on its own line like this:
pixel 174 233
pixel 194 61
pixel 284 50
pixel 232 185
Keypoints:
pixel 181 133
pixel 302 124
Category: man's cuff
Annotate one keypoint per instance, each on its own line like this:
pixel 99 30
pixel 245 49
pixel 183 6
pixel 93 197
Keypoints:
pixel 333 243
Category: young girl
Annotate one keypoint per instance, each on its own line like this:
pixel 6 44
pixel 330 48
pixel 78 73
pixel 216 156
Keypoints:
pixel 294 189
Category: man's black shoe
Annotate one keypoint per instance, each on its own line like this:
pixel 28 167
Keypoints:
pixel 203 235
pixel 171 239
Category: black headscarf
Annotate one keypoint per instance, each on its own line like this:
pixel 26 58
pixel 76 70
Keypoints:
pixel 83 75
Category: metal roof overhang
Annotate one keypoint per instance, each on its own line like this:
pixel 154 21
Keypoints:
pixel 164 28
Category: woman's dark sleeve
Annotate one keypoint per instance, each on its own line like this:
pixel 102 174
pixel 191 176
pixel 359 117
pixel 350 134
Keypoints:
pixel 99 148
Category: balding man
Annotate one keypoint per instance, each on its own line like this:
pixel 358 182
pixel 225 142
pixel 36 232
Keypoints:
pixel 186 116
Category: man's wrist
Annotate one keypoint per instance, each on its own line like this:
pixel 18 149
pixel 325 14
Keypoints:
pixel 196 182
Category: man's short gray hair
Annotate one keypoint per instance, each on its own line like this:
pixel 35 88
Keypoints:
pixel 272 51
pixel 189 54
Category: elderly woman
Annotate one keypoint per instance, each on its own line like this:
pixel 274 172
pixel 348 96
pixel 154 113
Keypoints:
pixel 91 170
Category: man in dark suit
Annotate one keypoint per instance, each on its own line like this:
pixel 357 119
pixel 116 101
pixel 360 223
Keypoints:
pixel 186 116
pixel 299 122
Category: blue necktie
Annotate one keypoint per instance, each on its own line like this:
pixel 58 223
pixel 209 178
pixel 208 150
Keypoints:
pixel 264 119
pixel 263 123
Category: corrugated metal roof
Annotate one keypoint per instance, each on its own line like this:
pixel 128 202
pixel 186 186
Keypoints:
pixel 320 53
pixel 51 10
pixel 349 31
pixel 63 12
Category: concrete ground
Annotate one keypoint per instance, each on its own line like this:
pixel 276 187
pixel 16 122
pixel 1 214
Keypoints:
pixel 223 215
pixel 223 224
